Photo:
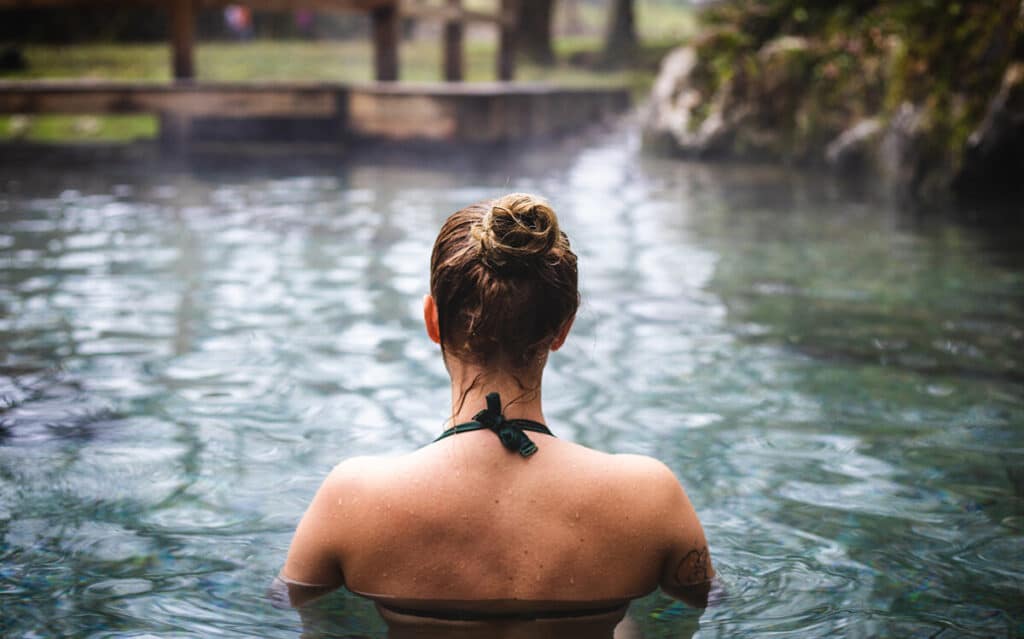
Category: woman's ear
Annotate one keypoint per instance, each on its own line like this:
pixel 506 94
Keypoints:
pixel 430 319
pixel 562 334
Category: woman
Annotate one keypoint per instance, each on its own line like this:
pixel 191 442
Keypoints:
pixel 498 523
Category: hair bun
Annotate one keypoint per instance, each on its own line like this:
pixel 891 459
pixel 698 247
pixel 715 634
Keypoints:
pixel 518 227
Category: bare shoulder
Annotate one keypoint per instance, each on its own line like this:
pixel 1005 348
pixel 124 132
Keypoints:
pixel 634 472
pixel 314 565
pixel 354 468
pixel 647 468
pixel 360 476
pixel 661 487
pixel 673 520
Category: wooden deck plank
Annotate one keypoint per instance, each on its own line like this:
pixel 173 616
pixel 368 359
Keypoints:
pixel 190 100
pixel 387 111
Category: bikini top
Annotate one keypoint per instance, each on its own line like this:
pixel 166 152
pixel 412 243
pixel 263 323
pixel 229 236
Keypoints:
pixel 446 614
pixel 509 431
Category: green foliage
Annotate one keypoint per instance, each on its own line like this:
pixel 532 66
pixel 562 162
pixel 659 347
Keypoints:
pixel 863 58
pixel 48 128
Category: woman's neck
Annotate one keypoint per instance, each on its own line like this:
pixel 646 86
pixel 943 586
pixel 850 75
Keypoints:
pixel 520 395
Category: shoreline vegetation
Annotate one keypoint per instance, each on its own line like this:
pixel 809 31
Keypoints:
pixel 926 95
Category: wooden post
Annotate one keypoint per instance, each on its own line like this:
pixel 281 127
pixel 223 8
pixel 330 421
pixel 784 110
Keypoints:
pixel 507 41
pixel 385 42
pixel 453 30
pixel 183 22
pixel 175 131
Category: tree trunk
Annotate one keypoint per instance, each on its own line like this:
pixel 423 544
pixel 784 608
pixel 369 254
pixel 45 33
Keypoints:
pixel 533 29
pixel 620 39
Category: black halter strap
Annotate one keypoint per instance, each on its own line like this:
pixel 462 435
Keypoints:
pixel 509 431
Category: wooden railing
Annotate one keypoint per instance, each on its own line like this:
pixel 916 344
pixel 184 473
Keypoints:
pixel 384 14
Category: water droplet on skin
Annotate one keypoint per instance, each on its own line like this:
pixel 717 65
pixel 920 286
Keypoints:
pixel 572 580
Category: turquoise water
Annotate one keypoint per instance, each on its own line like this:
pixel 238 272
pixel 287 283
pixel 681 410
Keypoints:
pixel 186 351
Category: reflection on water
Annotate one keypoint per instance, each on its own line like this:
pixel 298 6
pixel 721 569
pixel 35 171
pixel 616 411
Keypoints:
pixel 185 353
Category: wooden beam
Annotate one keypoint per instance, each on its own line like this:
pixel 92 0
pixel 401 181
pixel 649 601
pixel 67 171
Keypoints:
pixel 507 41
pixel 183 26
pixel 453 32
pixel 269 99
pixel 385 42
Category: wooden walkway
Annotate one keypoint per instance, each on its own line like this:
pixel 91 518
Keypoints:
pixel 386 111
pixel 192 112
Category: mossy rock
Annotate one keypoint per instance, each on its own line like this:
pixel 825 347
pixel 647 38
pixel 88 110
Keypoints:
pixel 784 79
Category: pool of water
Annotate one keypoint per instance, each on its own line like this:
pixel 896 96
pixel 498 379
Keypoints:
pixel 186 351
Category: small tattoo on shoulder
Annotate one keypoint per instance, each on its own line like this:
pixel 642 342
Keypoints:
pixel 693 568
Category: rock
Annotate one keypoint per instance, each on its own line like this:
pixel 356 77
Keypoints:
pixel 770 99
pixel 673 100
pixel 674 75
pixel 784 46
pixel 672 122
pixel 995 150
pixel 763 83
pixel 741 115
pixel 901 152
pixel 854 148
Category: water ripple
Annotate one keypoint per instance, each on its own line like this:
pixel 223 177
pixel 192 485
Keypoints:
pixel 184 355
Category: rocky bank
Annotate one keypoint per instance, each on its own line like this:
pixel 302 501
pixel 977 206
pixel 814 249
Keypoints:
pixel 928 95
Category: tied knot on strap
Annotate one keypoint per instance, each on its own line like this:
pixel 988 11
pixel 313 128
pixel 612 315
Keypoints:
pixel 511 436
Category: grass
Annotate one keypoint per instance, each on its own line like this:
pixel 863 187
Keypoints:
pixel 660 24
pixel 336 61
pixel 78 128
pixel 656 20
pixel 342 61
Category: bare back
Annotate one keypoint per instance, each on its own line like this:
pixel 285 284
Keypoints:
pixel 464 520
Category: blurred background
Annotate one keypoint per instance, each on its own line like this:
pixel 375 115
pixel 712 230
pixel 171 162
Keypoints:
pixel 801 270
pixel 574 43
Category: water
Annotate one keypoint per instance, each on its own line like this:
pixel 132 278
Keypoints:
pixel 187 351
